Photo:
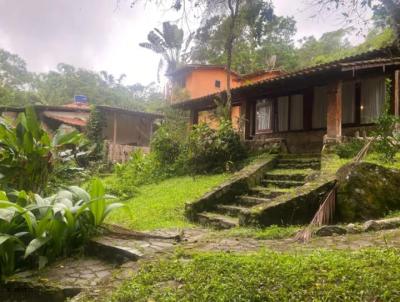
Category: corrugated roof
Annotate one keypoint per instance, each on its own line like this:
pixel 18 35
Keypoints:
pixel 73 121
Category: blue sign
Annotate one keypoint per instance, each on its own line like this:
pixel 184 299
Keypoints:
pixel 81 99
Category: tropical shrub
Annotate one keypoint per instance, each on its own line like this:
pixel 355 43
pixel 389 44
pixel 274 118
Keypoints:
pixel 28 154
pixel 349 149
pixel 139 170
pixel 387 142
pixel 94 131
pixel 34 230
pixel 166 146
pixel 212 150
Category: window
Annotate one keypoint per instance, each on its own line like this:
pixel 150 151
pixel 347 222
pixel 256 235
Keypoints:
pixel 296 112
pixel 372 99
pixel 218 83
pixel 283 113
pixel 348 102
pixel 320 106
pixel 264 115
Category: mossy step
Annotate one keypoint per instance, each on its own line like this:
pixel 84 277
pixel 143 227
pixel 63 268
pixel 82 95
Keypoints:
pixel 305 165
pixel 295 177
pixel 267 192
pixel 291 171
pixel 299 160
pixel 231 210
pixel 301 155
pixel 217 221
pixel 282 183
pixel 250 200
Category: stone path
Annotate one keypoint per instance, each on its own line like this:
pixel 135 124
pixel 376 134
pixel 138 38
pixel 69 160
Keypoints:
pixel 385 238
pixel 83 277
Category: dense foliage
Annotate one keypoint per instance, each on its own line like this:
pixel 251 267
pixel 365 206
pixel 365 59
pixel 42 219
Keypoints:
pixel 94 130
pixel 27 152
pixel 211 150
pixel 365 275
pixel 176 152
pixel 34 230
pixel 387 142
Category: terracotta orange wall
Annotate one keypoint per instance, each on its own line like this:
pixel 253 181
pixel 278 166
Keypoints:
pixel 201 82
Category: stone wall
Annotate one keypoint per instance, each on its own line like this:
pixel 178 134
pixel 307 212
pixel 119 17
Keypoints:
pixel 246 178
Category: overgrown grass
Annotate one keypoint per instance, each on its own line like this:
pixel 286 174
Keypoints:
pixel 364 275
pixel 272 232
pixel 161 205
pixel 375 158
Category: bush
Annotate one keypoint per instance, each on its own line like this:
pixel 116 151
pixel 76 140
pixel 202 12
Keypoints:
pixel 387 140
pixel 212 150
pixel 349 149
pixel 28 154
pixel 140 169
pixel 166 146
pixel 34 230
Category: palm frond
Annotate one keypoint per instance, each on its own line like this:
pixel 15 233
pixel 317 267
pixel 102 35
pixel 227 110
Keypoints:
pixel 326 211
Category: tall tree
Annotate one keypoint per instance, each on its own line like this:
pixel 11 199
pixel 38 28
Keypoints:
pixel 168 43
pixel 331 45
pixel 354 10
pixel 260 35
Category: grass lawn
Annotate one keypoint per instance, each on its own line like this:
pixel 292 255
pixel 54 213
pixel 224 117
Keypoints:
pixel 365 275
pixel 161 205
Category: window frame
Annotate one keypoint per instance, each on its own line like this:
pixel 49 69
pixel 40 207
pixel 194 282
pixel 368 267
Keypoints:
pixel 267 102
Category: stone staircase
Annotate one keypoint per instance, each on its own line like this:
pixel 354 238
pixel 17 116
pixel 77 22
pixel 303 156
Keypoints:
pixel 290 172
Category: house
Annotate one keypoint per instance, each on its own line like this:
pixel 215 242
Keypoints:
pixel 123 131
pixel 308 107
pixel 195 81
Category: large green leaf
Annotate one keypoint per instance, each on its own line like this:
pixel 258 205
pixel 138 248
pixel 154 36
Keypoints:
pixel 35 244
pixel 98 203
pixel 32 123
pixel 80 193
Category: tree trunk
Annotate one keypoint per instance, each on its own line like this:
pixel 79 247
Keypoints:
pixel 234 11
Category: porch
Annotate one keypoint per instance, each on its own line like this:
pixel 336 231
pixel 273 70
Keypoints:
pixel 313 106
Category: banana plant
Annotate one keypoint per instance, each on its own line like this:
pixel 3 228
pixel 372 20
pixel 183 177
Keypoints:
pixel 28 153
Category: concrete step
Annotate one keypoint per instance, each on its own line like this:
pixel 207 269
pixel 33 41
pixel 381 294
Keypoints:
pixel 294 177
pixel 301 155
pixel 231 210
pixel 304 165
pixel 264 192
pixel 217 221
pixel 250 200
pixel 299 160
pixel 282 183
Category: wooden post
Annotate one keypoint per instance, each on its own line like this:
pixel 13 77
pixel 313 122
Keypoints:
pixel 114 136
pixel 334 118
pixel 194 117
pixel 395 93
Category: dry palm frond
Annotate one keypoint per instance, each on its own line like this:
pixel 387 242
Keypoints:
pixel 325 213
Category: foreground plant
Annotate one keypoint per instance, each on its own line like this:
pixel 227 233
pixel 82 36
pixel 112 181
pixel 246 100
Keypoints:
pixel 34 230
pixel 27 152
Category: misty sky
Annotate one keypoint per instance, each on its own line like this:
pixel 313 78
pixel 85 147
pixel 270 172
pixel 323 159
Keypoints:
pixel 104 34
